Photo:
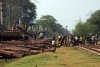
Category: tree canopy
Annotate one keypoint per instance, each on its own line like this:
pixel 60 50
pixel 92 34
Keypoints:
pixel 91 26
pixel 49 23
pixel 21 9
pixel 95 18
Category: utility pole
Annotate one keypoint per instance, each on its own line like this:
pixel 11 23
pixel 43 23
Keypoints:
pixel 66 30
pixel 3 13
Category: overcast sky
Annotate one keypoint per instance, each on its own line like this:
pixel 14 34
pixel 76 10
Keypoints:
pixel 67 12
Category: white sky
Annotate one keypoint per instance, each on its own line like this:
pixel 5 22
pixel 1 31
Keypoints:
pixel 67 12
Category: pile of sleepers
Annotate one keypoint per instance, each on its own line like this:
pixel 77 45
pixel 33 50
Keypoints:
pixel 24 48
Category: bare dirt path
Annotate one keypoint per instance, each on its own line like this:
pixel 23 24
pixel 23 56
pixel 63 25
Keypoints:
pixel 76 58
pixel 67 54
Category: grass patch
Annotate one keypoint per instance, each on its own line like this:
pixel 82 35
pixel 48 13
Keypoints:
pixel 63 57
pixel 41 60
pixel 82 59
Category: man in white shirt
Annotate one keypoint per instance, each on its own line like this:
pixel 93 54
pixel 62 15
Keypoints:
pixel 20 22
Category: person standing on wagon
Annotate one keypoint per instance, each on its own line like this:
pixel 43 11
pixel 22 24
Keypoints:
pixel 20 23
pixel 13 27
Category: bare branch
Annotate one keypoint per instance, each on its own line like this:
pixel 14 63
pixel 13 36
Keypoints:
pixel 36 1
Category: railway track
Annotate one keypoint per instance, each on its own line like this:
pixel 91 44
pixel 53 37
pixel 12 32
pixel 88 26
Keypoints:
pixel 92 49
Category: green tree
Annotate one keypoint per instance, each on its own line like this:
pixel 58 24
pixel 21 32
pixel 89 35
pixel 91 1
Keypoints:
pixel 49 24
pixel 61 30
pixel 21 8
pixel 94 21
pixel 91 26
pixel 80 28
pixel 94 18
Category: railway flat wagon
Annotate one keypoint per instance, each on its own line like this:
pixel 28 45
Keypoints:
pixel 8 34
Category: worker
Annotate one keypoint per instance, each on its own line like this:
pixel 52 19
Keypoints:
pixel 13 27
pixel 41 35
pixel 23 36
pixel 25 26
pixel 20 23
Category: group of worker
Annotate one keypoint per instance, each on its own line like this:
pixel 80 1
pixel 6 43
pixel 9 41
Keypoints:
pixel 74 40
pixel 20 24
